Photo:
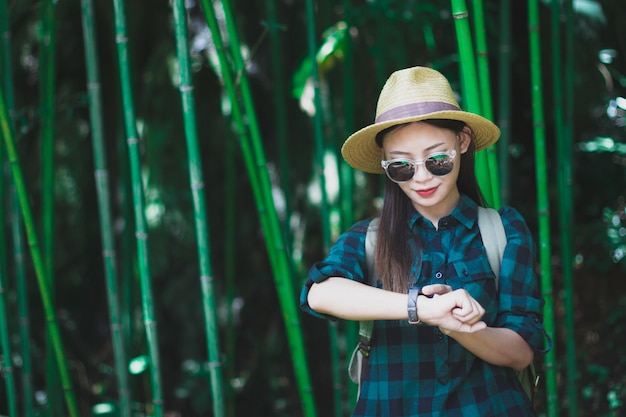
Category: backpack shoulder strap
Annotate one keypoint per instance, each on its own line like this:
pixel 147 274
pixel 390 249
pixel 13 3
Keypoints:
pixel 493 236
pixel 367 327
pixel 370 246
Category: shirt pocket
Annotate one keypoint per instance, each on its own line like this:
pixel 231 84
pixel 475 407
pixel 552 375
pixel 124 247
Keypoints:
pixel 477 278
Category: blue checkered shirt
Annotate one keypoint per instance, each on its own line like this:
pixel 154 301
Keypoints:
pixel 419 371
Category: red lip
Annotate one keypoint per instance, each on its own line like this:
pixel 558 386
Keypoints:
pixel 427 192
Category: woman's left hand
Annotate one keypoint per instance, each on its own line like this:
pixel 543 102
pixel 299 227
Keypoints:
pixel 451 310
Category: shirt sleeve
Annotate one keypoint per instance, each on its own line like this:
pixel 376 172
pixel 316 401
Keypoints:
pixel 346 259
pixel 520 302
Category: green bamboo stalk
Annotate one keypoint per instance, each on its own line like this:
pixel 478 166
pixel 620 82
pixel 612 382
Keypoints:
pixel 320 149
pixel 47 96
pixel 42 279
pixel 504 114
pixel 484 78
pixel 241 131
pixel 197 189
pixel 259 177
pixel 346 172
pixel 274 237
pixel 280 107
pixel 141 233
pixel 5 305
pixel 101 176
pixel 22 304
pixel 256 143
pixel 276 31
pixel 7 77
pixel 47 132
pixel 16 229
pixel 126 253
pixel 7 356
pixel 230 259
pixel 564 180
pixel 241 128
pixel 470 91
pixel 543 203
pixel 379 48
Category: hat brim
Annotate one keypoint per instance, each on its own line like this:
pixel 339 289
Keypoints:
pixel 361 151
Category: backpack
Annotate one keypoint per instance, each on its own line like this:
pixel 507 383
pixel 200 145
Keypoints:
pixel 494 239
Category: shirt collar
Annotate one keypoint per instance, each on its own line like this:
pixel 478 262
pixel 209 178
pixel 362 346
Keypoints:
pixel 465 212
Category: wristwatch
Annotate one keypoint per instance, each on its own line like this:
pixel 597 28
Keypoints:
pixel 411 306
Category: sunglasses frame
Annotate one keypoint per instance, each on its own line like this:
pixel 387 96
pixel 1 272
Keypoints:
pixel 415 162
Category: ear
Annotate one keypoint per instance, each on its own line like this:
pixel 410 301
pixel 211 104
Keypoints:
pixel 465 137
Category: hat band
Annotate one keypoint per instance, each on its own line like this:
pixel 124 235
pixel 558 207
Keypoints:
pixel 414 109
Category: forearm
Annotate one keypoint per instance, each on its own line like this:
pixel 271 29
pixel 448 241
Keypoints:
pixel 352 300
pixel 498 346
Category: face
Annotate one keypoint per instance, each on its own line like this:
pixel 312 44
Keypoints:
pixel 432 150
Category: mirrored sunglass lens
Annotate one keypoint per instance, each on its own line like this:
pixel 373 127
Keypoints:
pixel 401 171
pixel 439 164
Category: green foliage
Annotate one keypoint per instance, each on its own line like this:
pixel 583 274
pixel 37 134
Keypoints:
pixel 603 380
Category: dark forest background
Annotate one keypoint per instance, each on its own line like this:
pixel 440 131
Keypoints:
pixel 386 35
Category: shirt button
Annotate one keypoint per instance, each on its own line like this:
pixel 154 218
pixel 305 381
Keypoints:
pixel 438 275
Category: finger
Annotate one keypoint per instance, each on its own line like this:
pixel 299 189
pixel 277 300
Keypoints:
pixel 436 289
pixel 470 312
pixel 472 318
pixel 477 326
pixel 467 306
pixel 466 315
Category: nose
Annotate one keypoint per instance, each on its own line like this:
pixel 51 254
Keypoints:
pixel 421 172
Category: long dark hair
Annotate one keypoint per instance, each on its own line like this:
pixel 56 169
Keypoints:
pixel 393 257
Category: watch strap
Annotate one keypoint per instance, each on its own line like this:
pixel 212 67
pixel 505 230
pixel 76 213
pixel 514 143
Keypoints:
pixel 411 306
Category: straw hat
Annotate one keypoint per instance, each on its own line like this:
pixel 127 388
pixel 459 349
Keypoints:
pixel 410 95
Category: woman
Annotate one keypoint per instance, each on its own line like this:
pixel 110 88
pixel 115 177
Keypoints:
pixel 447 341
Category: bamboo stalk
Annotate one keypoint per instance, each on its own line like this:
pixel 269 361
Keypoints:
pixel 16 231
pixel 7 356
pixel 563 133
pixel 484 78
pixel 320 149
pixel 230 259
pixel 5 305
pixel 48 68
pixel 22 304
pixel 470 91
pixel 237 116
pixel 101 176
pixel 47 97
pixel 42 280
pixel 543 203
pixel 126 253
pixel 7 82
pixel 256 142
pixel 504 102
pixel 259 177
pixel 346 173
pixel 280 107
pixel 141 234
pixel 199 199
pixel 563 176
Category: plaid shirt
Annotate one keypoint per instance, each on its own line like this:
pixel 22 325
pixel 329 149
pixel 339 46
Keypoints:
pixel 417 370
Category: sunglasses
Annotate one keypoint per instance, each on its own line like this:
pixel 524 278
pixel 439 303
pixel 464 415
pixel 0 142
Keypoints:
pixel 401 170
